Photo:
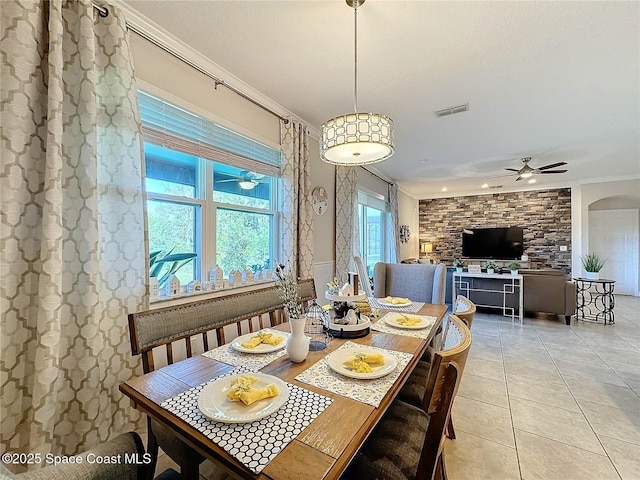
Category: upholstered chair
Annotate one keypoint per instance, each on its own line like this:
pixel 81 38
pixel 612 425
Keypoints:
pixel 416 281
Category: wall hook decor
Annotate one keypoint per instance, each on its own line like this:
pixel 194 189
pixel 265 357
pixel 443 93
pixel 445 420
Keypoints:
pixel 404 233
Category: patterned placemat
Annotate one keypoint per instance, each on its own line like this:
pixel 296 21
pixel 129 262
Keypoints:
pixel 254 444
pixel 370 392
pixel 381 326
pixel 255 361
pixel 413 308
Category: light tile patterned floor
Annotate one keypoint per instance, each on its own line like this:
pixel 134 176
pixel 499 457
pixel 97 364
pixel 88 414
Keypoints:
pixel 548 401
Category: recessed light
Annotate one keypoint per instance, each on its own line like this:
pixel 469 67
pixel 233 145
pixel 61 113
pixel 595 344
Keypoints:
pixel 444 189
pixel 484 185
pixel 533 180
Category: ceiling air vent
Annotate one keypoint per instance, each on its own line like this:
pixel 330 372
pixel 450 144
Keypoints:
pixel 452 110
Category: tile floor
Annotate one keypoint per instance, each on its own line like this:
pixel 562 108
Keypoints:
pixel 544 401
pixel 548 401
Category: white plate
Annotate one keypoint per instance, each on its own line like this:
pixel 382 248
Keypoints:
pixel 391 319
pixel 261 348
pixel 336 363
pixel 382 301
pixel 213 401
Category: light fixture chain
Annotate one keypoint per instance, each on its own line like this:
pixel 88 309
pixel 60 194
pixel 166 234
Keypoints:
pixel 355 55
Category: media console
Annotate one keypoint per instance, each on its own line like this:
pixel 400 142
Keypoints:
pixel 496 290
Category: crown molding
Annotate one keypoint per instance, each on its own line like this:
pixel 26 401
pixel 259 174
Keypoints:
pixel 158 34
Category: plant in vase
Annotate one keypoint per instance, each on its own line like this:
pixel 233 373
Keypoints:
pixel 490 265
pixel 297 346
pixel 513 266
pixel 459 264
pixel 592 264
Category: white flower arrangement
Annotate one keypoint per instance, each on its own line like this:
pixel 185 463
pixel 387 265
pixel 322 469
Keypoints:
pixel 289 290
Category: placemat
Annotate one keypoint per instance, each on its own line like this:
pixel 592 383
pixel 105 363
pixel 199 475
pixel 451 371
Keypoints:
pixel 423 333
pixel 255 361
pixel 370 392
pixel 413 308
pixel 254 444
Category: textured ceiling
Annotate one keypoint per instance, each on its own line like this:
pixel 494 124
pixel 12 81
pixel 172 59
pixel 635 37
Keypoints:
pixel 557 81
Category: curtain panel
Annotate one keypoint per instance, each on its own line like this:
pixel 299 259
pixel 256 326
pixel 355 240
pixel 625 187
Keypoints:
pixel 72 240
pixel 296 225
pixel 347 230
pixel 392 239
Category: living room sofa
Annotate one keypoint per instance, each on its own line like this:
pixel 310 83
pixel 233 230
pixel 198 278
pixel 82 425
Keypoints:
pixel 548 291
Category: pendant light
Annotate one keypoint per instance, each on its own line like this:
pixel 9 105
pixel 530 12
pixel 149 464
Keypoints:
pixel 356 138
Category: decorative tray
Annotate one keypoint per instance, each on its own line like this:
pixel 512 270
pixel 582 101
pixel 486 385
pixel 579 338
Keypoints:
pixel 351 331
pixel 345 298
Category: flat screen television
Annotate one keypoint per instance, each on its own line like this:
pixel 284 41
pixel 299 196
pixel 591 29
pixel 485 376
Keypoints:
pixel 496 243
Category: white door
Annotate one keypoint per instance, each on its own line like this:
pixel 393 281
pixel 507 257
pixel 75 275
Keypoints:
pixel 614 235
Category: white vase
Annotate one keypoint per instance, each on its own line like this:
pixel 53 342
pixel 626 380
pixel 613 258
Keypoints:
pixel 459 269
pixel 514 272
pixel 592 275
pixel 490 271
pixel 298 343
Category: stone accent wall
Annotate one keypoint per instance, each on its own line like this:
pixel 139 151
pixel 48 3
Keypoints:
pixel 545 216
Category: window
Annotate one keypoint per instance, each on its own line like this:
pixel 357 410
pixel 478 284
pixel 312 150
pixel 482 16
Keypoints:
pixel 372 217
pixel 218 203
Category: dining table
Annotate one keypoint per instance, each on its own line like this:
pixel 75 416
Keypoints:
pixel 326 446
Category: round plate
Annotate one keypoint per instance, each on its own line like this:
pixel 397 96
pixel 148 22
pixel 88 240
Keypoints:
pixel 213 401
pixel 335 361
pixel 382 301
pixel 391 319
pixel 261 348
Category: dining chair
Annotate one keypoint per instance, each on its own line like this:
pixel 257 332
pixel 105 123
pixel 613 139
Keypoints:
pixel 416 281
pixel 464 309
pixel 419 385
pixel 361 269
pixel 408 442
pixel 177 327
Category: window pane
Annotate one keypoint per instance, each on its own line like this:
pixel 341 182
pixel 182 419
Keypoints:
pixel 172 228
pixel 241 187
pixel 371 236
pixel 243 239
pixel 170 172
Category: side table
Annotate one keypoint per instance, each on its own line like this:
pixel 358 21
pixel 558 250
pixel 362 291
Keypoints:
pixel 594 299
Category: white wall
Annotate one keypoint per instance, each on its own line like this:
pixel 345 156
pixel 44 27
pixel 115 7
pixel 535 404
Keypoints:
pixel 584 195
pixel 408 215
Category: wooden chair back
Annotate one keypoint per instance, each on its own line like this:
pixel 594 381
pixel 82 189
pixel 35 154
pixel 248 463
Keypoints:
pixel 170 326
pixel 447 366
pixel 464 309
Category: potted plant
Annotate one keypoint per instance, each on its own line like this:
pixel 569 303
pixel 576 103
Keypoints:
pixel 513 266
pixel 459 264
pixel 490 265
pixel 592 264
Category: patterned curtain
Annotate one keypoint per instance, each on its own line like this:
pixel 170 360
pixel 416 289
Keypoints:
pixel 346 218
pixel 297 215
pixel 392 233
pixel 72 239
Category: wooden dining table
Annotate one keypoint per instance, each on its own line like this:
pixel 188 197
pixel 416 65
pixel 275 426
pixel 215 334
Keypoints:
pixel 322 450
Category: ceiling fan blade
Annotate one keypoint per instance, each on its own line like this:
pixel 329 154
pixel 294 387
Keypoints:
pixel 554 171
pixel 512 169
pixel 553 165
pixel 229 180
pixel 518 179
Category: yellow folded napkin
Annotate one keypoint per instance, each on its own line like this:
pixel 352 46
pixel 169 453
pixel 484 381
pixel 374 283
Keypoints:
pixel 262 337
pixel 242 391
pixel 361 362
pixel 409 320
pixel 397 300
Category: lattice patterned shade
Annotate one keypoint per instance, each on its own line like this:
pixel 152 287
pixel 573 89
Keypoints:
pixel 357 139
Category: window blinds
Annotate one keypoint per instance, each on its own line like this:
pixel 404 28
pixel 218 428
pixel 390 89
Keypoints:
pixel 172 127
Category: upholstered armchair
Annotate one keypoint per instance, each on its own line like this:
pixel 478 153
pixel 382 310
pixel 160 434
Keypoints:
pixel 416 281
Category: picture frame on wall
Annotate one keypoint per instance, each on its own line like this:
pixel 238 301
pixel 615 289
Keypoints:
pixel 474 269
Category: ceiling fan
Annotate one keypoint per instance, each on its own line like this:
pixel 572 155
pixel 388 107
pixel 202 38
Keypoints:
pixel 527 171
pixel 247 180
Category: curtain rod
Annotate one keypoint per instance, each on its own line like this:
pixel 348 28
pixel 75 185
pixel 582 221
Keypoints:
pixel 104 12
pixel 377 176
